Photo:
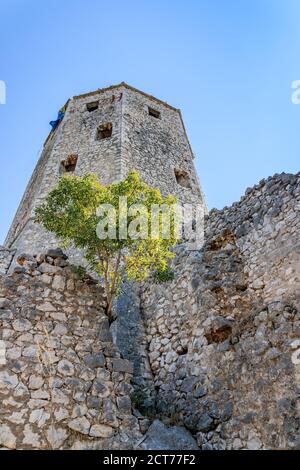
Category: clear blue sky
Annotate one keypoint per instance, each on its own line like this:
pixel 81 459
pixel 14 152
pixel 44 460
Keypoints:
pixel 228 64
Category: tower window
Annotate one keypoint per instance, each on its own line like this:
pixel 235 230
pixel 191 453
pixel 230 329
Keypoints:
pixel 182 178
pixel 92 106
pixel 104 131
pixel 69 165
pixel 154 113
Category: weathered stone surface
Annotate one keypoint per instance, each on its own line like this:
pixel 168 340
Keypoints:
pixel 254 443
pixel 81 425
pixel 100 389
pixel 65 367
pixel 7 438
pixel 30 351
pixel 46 268
pixel 59 283
pixel 4 303
pixel 39 416
pixel 95 360
pixel 57 381
pixel 46 307
pixel 124 404
pixel 31 438
pixel 101 430
pixel 21 325
pixel 122 365
pixel 56 253
pixel 6 257
pixel 205 422
pixel 220 335
pixel 8 380
pixel 56 437
pixel 161 437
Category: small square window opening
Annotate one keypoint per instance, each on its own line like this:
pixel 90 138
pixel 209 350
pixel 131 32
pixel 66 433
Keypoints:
pixel 182 178
pixel 69 165
pixel 154 113
pixel 104 131
pixel 92 106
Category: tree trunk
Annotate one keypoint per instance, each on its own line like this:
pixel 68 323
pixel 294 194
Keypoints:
pixel 109 312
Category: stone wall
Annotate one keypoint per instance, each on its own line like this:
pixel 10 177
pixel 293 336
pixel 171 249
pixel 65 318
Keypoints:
pixel 6 257
pixel 266 226
pixel 216 350
pixel 23 216
pixel 156 147
pixel 221 336
pixel 64 383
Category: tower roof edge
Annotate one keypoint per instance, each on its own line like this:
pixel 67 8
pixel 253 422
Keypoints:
pixel 129 87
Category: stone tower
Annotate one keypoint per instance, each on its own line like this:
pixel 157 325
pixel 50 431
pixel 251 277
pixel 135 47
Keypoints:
pixel 110 132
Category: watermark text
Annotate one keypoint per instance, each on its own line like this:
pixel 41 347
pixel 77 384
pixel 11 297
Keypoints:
pixel 2 92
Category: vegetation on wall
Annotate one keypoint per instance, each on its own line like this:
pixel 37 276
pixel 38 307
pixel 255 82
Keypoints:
pixel 116 240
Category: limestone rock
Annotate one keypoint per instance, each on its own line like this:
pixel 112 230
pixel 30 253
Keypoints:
pixel 31 438
pixel 21 325
pixel 7 438
pixel 65 367
pixel 17 417
pixel 35 382
pixel 59 283
pixel 101 430
pixel 39 416
pixel 56 253
pixel 4 303
pixel 81 425
pixel 8 380
pixel 122 365
pixel 56 436
pixel 254 443
pixel 95 360
pixel 46 307
pixel 161 437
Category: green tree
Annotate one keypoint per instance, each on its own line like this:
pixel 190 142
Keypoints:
pixel 80 209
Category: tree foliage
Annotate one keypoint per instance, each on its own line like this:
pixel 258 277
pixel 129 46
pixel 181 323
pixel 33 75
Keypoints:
pixel 71 212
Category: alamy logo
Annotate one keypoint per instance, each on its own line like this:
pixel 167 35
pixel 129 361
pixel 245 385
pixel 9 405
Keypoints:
pixel 2 92
pixel 141 222
pixel 296 94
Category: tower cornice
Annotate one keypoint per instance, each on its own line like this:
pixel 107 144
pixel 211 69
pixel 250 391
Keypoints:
pixel 128 87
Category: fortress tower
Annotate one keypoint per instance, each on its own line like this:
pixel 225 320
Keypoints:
pixel 110 132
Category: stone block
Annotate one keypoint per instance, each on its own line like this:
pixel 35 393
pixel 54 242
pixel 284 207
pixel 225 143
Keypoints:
pixel 122 365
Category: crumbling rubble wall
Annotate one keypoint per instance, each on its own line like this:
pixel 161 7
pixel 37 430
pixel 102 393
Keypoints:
pixel 222 335
pixel 217 348
pixel 6 257
pixel 63 383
